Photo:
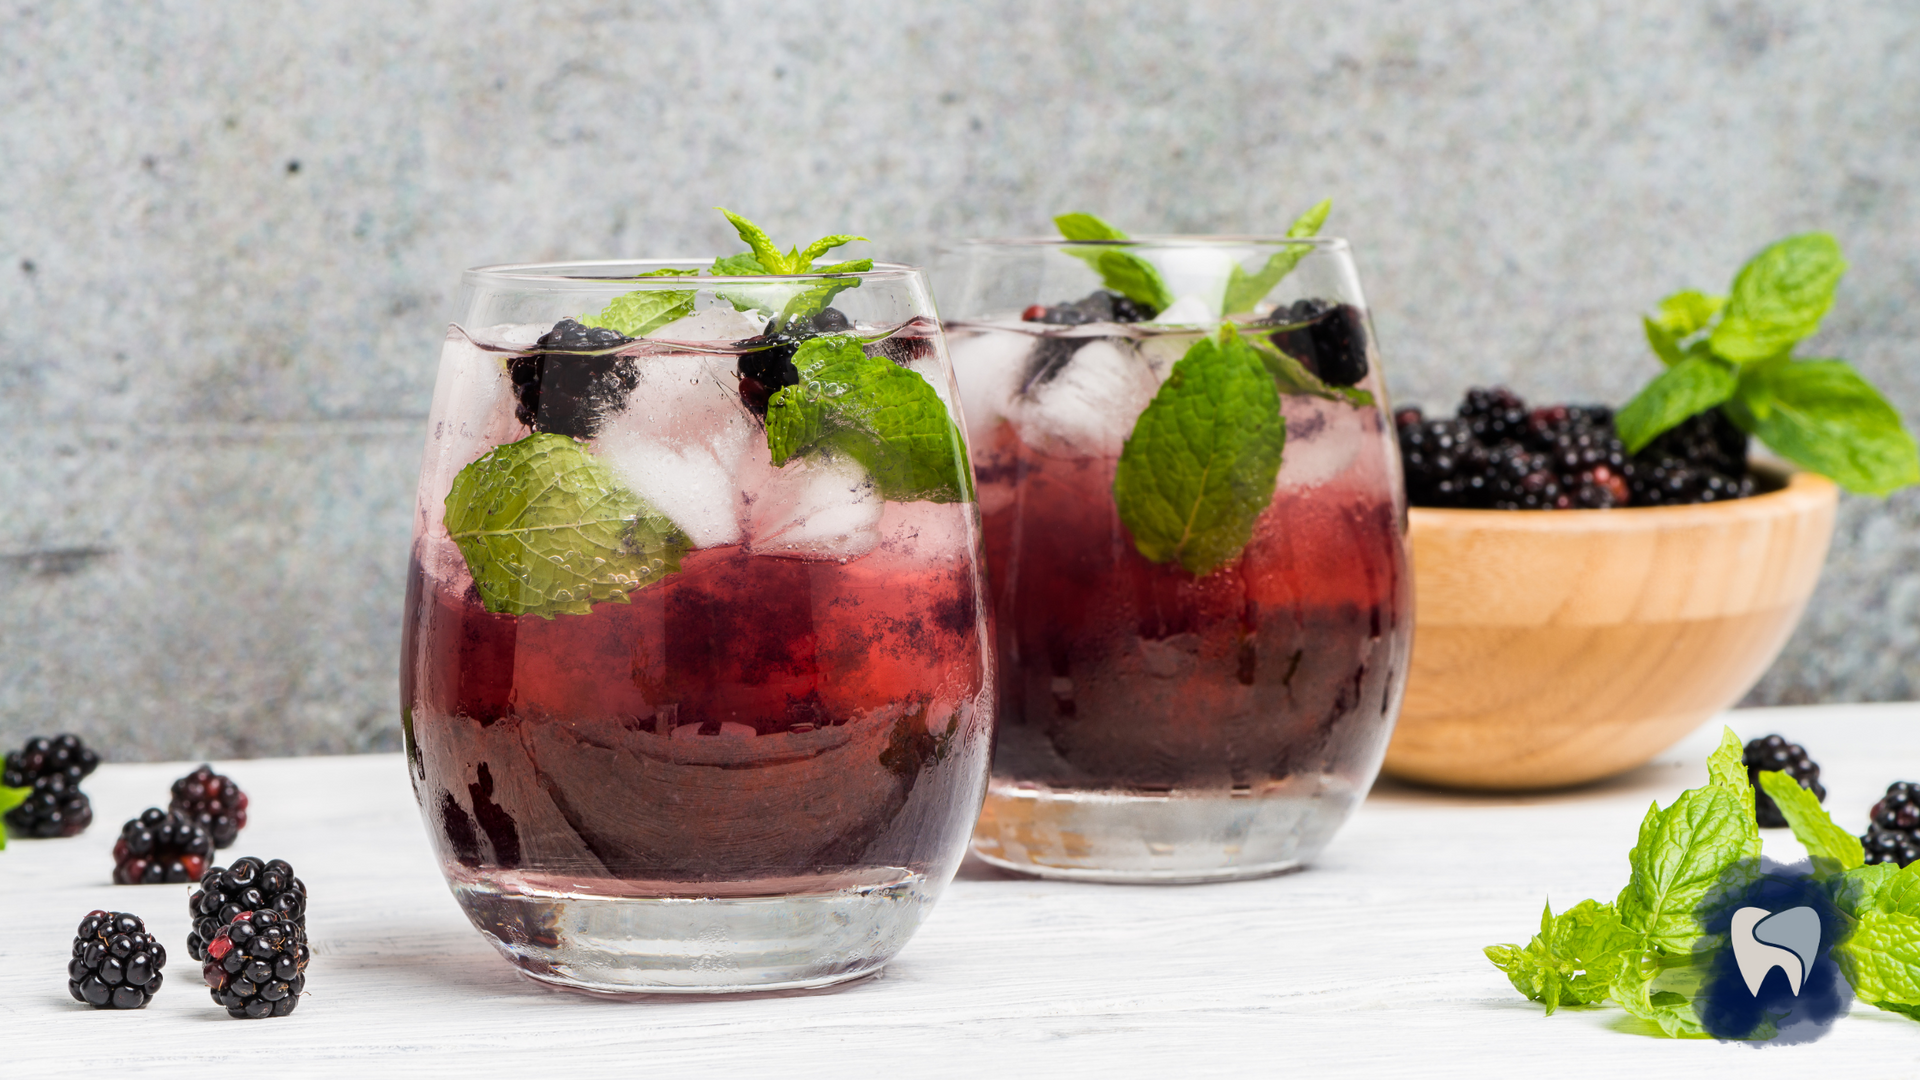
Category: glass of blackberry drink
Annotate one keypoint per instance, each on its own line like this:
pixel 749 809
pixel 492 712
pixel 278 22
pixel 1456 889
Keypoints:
pixel 695 677
pixel 1196 544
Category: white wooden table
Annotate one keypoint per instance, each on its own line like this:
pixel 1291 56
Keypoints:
pixel 1368 963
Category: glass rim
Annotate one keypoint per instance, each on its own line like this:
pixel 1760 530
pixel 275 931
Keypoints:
pixel 1161 240
pixel 547 273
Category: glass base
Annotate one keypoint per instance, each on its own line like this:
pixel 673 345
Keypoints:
pixel 696 937
pixel 1173 838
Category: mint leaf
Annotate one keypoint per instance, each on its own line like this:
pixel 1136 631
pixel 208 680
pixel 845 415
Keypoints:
pixel 546 530
pixel 1693 385
pixel 1858 890
pixel 1121 271
pixel 756 239
pixel 741 265
pixel 1779 297
pixel 1294 378
pixel 1727 770
pixel 871 409
pixel 1822 416
pixel 1704 840
pixel 1881 958
pixel 11 797
pixel 1670 1012
pixel 1687 312
pixel 1245 290
pixel 640 313
pixel 1833 849
pixel 1574 958
pixel 1201 463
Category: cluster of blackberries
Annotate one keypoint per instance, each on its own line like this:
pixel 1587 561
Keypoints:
pixel 161 847
pixel 1702 459
pixel 1328 339
pixel 1496 454
pixel 116 963
pixel 52 769
pixel 214 802
pixel 572 379
pixel 1893 834
pixel 1772 753
pixel 1096 307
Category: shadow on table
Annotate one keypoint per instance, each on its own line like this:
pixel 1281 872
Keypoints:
pixel 1654 779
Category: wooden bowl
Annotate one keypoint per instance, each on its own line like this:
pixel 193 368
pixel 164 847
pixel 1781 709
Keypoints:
pixel 1553 648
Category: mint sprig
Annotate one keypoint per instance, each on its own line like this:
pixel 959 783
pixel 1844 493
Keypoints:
pixel 884 416
pixel 1120 270
pixel 1644 950
pixel 1735 353
pixel 1203 458
pixel 764 258
pixel 11 797
pixel 1705 841
pixel 1245 290
pixel 546 529
pixel 639 313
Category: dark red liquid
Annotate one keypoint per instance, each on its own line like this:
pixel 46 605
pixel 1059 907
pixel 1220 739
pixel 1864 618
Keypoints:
pixel 1120 674
pixel 748 717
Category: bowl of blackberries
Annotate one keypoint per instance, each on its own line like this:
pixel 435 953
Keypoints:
pixel 1591 584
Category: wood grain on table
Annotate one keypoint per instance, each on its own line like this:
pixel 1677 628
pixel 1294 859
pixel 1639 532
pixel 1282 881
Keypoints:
pixel 1366 964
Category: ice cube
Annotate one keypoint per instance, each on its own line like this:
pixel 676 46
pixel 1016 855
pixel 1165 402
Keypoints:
pixel 1322 438
pixel 815 507
pixel 680 441
pixel 713 324
pixel 989 367
pixel 472 413
pixel 1088 408
pixel 1188 311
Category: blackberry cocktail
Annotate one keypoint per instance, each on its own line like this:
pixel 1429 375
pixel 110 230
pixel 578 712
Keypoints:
pixel 1195 536
pixel 696 672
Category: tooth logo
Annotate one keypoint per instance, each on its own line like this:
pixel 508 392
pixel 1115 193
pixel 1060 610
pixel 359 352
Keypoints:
pixel 1764 940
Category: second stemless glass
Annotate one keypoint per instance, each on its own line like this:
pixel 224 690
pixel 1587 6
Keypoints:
pixel 689 709
pixel 1191 718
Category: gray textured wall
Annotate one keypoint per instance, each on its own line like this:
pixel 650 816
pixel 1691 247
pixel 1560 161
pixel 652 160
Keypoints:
pixel 229 234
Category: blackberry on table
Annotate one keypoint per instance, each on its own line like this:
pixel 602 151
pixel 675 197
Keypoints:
pixel 1893 834
pixel 213 801
pixel 1773 753
pixel 116 963
pixel 161 847
pixel 256 966
pixel 53 769
pixel 1329 339
pixel 572 379
pixel 248 885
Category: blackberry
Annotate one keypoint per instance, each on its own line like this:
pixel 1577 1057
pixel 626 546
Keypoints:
pixel 1097 306
pixel 116 963
pixel 572 379
pixel 1329 339
pixel 1586 456
pixel 1433 453
pixel 213 801
pixel 53 768
pixel 1702 459
pixel 1893 835
pixel 161 847
pixel 256 966
pixel 248 885
pixel 767 363
pixel 1773 753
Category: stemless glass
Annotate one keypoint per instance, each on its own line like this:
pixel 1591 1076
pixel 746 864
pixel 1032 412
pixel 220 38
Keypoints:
pixel 687 710
pixel 1207 696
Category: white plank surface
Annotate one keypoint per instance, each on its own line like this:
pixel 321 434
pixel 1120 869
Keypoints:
pixel 1366 964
